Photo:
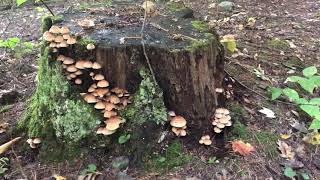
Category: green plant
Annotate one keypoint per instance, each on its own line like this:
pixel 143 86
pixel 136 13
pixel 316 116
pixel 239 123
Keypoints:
pixel 291 173
pixel 3 163
pixel 91 168
pixel 17 46
pixel 309 83
pixel 213 160
pixel 124 138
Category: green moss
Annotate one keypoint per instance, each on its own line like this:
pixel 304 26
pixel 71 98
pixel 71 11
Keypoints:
pixel 172 158
pixel 200 25
pixel 176 6
pixel 278 44
pixel 197 44
pixel 5 108
pixel 56 111
pixel 148 102
pixel 48 21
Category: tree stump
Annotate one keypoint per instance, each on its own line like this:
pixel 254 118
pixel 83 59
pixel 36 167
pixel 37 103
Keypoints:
pixel 185 55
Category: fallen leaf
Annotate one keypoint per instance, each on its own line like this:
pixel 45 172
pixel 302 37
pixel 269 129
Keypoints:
pixel 312 138
pixel 251 21
pixel 242 148
pixel 60 178
pixel 285 136
pixel 4 147
pixel 286 150
pixel 299 126
pixel 269 113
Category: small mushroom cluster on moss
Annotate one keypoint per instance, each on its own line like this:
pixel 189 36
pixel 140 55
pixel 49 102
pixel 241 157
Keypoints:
pixel 59 37
pixel 221 119
pixel 34 143
pixel 205 140
pixel 179 124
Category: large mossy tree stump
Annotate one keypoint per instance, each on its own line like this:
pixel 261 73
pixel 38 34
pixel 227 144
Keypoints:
pixel 185 57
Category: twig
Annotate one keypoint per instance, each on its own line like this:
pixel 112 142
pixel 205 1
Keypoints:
pixel 47 7
pixel 143 45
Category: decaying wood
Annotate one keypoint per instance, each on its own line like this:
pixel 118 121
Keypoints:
pixel 188 75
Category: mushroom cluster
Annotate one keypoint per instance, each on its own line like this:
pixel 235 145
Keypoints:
pixel 179 124
pixel 34 143
pixel 205 140
pixel 221 119
pixel 59 37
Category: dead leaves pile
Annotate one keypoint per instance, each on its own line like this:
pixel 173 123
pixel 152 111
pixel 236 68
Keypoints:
pixel 286 150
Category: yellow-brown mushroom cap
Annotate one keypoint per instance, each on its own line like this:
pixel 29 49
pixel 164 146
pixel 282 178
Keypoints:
pixel 47 36
pixel 178 121
pixel 71 41
pixel 36 141
pixel 80 64
pixel 99 105
pixel 96 65
pixel 89 98
pixel 105 131
pixel 103 83
pixel 110 107
pixel 54 29
pixel 87 64
pixel 113 99
pixel 72 68
pixel 66 36
pixel 113 123
pixel 217 130
pixel 58 39
pixel 61 58
pixel 68 61
pixel 64 30
pixel 109 114
pixel 98 77
pixel 86 23
pixel 101 91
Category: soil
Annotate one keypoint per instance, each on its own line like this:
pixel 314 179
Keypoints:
pixel 293 21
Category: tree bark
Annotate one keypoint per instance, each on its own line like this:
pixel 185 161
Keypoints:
pixel 185 55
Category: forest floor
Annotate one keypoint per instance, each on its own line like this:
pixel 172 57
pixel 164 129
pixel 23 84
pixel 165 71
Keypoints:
pixel 283 41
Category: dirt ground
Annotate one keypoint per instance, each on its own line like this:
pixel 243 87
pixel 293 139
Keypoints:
pixel 294 22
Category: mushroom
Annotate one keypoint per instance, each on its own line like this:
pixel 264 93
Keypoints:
pixel 219 90
pixel 113 123
pixel 36 141
pixel 100 105
pixel 104 131
pixel 149 6
pixel 91 46
pixel 72 75
pixel 217 130
pixel 90 98
pixel 30 142
pixel 109 114
pixel 98 77
pixel 66 36
pixel 179 131
pixel 71 41
pixel 79 72
pixel 72 68
pixel 53 45
pixel 178 121
pixel 171 113
pixel 64 30
pixel 113 99
pixel 78 81
pixel 47 36
pixel 205 140
pixel 54 29
pixel 110 106
pixel 101 91
pixel 96 65
pixel 103 83
pixel 87 64
pixel 68 61
pixel 220 125
pixel 91 74
pixel 61 58
pixel 58 39
pixel 79 64
pixel 86 23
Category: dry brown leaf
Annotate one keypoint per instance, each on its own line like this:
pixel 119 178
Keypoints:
pixel 242 148
pixel 4 147
pixel 60 178
pixel 286 150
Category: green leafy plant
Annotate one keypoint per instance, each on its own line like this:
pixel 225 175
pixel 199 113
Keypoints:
pixel 3 163
pixel 289 172
pixel 124 138
pixel 229 42
pixel 309 82
pixel 91 168
pixel 213 160
pixel 17 46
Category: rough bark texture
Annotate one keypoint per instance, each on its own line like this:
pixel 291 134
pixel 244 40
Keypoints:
pixel 187 60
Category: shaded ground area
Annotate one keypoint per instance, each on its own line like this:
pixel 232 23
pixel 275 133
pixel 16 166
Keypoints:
pixel 295 23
